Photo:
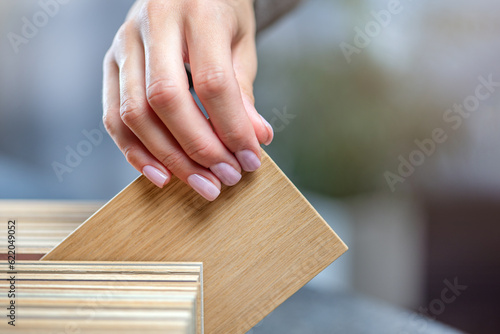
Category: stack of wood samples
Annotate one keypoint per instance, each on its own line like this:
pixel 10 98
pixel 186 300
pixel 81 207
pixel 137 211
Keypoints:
pixel 41 225
pixel 103 297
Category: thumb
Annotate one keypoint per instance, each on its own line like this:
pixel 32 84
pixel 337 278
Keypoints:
pixel 245 68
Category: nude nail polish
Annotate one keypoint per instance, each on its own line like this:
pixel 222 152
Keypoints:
pixel 226 173
pixel 155 175
pixel 248 160
pixel 269 128
pixel 203 187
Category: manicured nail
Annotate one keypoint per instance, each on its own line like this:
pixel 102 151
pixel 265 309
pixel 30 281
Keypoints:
pixel 204 187
pixel 226 173
pixel 270 130
pixel 248 160
pixel 155 175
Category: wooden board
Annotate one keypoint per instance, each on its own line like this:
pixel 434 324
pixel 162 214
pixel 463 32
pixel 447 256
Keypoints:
pixel 41 224
pixel 102 297
pixel 259 242
pixel 53 209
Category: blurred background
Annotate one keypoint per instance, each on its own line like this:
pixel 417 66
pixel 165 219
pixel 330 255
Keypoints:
pixel 386 114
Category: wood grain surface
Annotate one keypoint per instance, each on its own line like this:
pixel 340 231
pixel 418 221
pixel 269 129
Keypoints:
pixel 102 297
pixel 259 242
pixel 41 224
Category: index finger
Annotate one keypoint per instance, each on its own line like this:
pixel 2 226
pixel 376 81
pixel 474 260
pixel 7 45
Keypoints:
pixel 215 83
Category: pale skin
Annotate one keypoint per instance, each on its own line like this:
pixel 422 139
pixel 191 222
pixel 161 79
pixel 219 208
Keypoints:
pixel 149 111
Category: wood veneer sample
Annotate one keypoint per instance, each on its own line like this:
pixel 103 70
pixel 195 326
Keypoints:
pixel 103 297
pixel 259 242
pixel 41 224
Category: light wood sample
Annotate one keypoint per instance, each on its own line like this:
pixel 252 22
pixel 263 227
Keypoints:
pixel 259 242
pixel 41 224
pixel 104 297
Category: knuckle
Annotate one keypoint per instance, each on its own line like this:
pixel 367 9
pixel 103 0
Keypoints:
pixel 237 136
pixel 131 154
pixel 152 8
pixel 162 92
pixel 151 15
pixel 122 34
pixel 206 11
pixel 125 39
pixel 211 81
pixel 200 149
pixel 129 28
pixel 109 58
pixel 108 124
pixel 131 112
pixel 172 160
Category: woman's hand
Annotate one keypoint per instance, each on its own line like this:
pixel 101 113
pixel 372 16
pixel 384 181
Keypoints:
pixel 149 111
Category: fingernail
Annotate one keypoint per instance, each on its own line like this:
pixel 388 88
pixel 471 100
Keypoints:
pixel 226 173
pixel 204 187
pixel 155 175
pixel 270 128
pixel 248 160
